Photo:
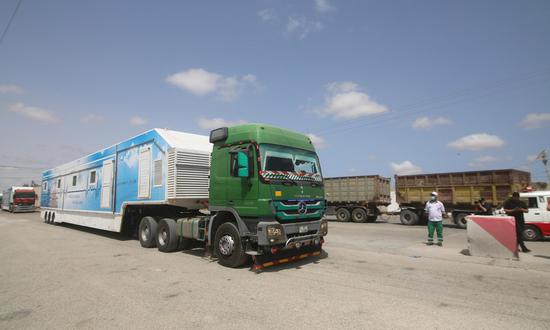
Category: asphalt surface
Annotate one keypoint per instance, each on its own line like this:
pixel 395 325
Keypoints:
pixel 377 276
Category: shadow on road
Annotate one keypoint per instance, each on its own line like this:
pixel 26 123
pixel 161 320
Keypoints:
pixel 99 232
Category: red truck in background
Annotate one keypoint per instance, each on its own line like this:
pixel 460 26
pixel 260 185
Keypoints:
pixel 19 199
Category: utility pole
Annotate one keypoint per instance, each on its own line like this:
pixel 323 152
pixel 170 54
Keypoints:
pixel 543 157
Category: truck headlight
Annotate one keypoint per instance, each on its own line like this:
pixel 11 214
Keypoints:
pixel 274 231
pixel 324 228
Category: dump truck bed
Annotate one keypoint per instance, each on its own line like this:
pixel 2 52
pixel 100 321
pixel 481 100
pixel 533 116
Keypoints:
pixel 358 190
pixel 461 189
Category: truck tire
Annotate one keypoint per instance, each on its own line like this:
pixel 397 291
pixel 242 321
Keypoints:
pixel 359 215
pixel 372 218
pixel 408 218
pixel 147 232
pixel 531 233
pixel 343 215
pixel 167 236
pixel 228 246
pixel 460 220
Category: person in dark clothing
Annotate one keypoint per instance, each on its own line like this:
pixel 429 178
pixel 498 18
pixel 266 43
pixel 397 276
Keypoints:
pixel 484 207
pixel 515 207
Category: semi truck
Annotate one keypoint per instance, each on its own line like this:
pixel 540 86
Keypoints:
pixel 357 198
pixel 457 190
pixel 19 199
pixel 247 191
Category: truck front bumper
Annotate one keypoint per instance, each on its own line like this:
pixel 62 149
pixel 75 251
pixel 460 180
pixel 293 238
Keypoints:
pixel 294 235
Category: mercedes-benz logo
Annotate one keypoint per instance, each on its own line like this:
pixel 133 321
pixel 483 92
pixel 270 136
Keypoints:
pixel 302 207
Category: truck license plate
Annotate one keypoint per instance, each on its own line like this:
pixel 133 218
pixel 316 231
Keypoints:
pixel 302 229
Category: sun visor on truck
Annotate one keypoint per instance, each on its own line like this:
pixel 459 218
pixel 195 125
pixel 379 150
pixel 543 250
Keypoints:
pixel 219 134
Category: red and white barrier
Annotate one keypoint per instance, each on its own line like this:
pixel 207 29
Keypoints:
pixel 492 236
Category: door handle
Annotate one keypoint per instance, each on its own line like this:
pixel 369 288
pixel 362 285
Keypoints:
pixel 230 202
pixel 537 213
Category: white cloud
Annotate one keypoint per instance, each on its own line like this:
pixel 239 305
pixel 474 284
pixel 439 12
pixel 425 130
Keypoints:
pixel 11 89
pixel 482 161
pixel 302 27
pixel 535 120
pixel 268 15
pixel 323 6
pixel 138 121
pixel 532 158
pixel 346 101
pixel 91 118
pixel 34 113
pixel 405 168
pixel 477 142
pixel 318 141
pixel 213 123
pixel 427 122
pixel 201 82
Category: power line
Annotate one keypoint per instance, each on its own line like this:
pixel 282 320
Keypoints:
pixel 9 21
pixel 438 102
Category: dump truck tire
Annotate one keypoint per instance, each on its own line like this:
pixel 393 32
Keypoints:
pixel 359 215
pixel 531 233
pixel 343 214
pixel 147 232
pixel 460 220
pixel 167 237
pixel 372 218
pixel 408 217
pixel 228 246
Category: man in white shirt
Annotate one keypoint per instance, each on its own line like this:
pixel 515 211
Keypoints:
pixel 435 211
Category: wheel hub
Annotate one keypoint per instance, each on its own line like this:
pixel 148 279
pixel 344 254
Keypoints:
pixel 163 235
pixel 226 245
pixel 145 233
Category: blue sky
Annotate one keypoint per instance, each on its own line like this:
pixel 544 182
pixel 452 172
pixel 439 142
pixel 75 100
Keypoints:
pixel 383 86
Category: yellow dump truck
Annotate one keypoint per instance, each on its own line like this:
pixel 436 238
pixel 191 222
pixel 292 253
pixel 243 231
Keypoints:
pixel 458 191
pixel 357 198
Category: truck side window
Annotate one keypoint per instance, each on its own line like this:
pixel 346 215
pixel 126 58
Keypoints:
pixel 233 164
pixel 74 180
pixel 58 183
pixel 532 203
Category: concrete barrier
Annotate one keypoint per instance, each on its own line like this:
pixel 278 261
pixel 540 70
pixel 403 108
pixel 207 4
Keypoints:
pixel 492 236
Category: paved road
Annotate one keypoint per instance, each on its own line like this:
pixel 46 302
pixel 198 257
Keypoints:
pixel 372 276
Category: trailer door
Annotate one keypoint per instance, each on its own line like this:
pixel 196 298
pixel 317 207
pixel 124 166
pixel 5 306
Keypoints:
pixel 107 184
pixel 144 173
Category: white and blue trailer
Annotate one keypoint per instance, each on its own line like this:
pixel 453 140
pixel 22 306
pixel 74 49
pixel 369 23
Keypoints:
pixel 161 173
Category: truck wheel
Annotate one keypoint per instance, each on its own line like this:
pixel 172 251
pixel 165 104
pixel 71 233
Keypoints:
pixel 167 237
pixel 358 215
pixel 460 220
pixel 408 217
pixel 147 232
pixel 343 215
pixel 531 233
pixel 372 218
pixel 228 246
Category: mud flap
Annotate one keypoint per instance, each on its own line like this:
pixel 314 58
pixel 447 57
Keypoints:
pixel 268 260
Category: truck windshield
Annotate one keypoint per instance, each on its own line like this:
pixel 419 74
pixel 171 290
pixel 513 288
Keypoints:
pixel 24 194
pixel 279 162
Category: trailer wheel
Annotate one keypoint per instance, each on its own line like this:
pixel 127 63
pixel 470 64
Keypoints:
pixel 372 218
pixel 531 233
pixel 460 220
pixel 167 237
pixel 343 214
pixel 228 246
pixel 359 215
pixel 408 217
pixel 147 232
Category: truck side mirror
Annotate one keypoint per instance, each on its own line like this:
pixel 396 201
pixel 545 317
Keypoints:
pixel 242 165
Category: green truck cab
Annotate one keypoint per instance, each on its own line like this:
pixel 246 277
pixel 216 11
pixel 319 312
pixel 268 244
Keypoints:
pixel 266 195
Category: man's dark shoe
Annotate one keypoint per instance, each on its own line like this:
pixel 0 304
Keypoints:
pixel 525 250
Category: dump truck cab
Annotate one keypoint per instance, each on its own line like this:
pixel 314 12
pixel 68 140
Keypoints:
pixel 267 182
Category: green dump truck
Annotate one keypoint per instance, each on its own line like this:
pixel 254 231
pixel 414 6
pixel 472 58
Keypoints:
pixel 357 198
pixel 457 190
